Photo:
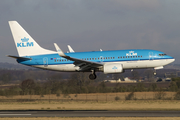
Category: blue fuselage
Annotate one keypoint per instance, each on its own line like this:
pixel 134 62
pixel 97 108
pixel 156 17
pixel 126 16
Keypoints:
pixel 131 56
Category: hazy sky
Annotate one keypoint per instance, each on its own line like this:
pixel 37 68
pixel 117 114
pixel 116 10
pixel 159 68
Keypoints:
pixel 88 25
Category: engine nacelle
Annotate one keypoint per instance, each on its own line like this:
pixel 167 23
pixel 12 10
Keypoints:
pixel 113 68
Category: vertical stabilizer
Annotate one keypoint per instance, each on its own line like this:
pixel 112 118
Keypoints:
pixel 25 44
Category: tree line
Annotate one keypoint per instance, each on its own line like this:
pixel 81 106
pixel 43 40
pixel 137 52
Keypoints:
pixel 11 75
pixel 78 86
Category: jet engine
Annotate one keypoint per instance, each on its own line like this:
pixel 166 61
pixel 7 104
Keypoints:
pixel 113 68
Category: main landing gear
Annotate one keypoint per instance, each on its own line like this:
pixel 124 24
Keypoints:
pixel 92 76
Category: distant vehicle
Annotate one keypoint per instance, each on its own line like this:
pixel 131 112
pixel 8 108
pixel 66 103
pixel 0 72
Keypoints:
pixel 167 80
pixel 159 80
pixel 115 61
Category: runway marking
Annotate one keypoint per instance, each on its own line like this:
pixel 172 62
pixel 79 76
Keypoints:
pixel 14 114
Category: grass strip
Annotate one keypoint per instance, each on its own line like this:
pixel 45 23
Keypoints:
pixel 95 118
pixel 115 105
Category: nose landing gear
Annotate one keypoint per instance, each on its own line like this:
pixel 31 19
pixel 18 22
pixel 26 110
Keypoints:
pixel 155 72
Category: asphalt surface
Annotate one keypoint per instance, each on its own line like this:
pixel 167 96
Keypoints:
pixel 88 113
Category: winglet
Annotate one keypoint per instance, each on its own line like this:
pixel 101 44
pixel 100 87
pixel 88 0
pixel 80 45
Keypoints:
pixel 70 49
pixel 59 51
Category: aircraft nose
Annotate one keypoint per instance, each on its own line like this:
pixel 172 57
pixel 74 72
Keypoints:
pixel 172 60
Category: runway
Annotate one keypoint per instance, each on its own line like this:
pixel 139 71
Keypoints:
pixel 88 113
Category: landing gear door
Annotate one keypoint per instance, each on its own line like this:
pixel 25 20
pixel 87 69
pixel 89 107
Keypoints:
pixel 45 61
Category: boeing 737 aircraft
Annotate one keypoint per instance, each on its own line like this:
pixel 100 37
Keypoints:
pixel 115 61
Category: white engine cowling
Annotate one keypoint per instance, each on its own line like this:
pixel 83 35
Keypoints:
pixel 113 68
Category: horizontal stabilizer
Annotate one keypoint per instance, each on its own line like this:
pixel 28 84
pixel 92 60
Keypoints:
pixel 21 58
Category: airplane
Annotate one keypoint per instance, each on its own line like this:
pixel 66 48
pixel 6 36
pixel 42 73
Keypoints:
pixel 108 62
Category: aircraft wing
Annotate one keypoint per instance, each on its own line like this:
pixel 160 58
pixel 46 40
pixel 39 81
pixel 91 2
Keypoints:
pixel 82 64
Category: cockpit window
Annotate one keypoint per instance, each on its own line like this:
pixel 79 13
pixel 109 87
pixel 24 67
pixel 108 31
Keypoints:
pixel 162 54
